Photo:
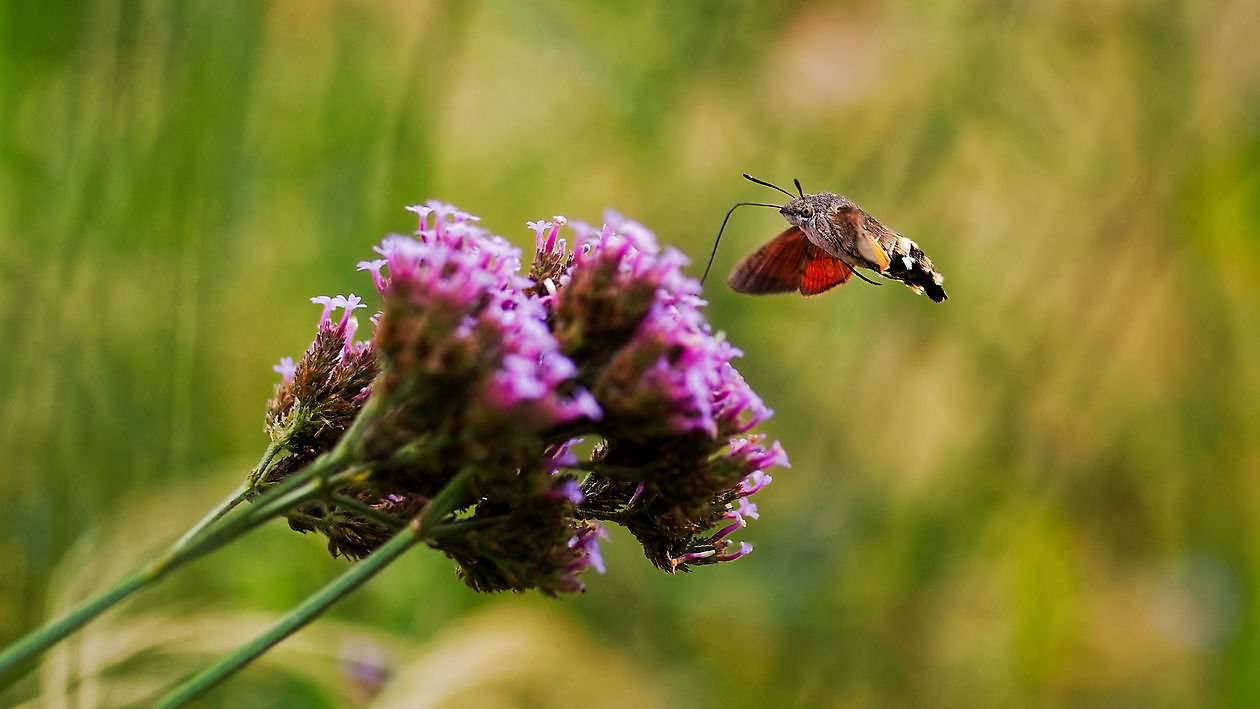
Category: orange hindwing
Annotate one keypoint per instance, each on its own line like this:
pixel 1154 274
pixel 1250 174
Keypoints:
pixel 823 272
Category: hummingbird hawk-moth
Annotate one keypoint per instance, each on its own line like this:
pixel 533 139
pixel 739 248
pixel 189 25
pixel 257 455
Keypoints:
pixel 829 238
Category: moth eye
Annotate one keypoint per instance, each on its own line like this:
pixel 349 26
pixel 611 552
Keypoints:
pixel 807 212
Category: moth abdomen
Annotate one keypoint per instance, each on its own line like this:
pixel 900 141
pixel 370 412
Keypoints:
pixel 911 266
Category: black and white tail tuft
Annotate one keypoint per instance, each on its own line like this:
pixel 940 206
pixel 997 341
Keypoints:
pixel 911 266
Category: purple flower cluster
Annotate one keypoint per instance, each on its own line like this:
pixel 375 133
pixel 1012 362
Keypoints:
pixel 477 369
pixel 463 284
pixel 673 402
pixel 328 385
pixel 667 371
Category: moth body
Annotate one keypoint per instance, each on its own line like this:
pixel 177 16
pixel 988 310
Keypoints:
pixel 830 236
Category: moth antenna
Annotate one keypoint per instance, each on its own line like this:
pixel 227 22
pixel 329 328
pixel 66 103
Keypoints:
pixel 767 184
pixel 797 182
pixel 723 227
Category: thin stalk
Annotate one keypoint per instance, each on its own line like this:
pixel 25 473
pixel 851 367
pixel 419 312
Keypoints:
pixel 450 498
pixel 274 502
pixel 239 495
pixel 37 641
pixel 260 471
pixel 296 619
pixel 229 503
pixel 266 507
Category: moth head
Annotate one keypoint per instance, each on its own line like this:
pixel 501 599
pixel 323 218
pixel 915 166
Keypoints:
pixel 802 210
pixel 797 211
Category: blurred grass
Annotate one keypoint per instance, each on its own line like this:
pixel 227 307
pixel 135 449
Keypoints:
pixel 1041 493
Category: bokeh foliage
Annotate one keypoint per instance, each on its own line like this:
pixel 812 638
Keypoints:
pixel 1041 493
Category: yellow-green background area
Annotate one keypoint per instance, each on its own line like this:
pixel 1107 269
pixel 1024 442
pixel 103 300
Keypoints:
pixel 1044 492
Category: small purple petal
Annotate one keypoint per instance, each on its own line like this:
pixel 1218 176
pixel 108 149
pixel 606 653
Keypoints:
pixel 286 368
pixel 569 490
pixel 586 545
pixel 745 509
pixel 754 482
pixel 744 549
pixel 351 303
pixel 560 455
pixel 422 211
pixel 583 404
pixel 540 227
pixel 375 267
pixel 330 304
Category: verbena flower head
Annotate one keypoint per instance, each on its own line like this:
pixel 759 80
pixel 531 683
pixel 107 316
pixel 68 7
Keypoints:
pixel 480 371
pixel 319 395
pixel 669 465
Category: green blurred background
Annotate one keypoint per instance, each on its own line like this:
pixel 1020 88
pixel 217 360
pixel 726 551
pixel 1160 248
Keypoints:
pixel 1042 493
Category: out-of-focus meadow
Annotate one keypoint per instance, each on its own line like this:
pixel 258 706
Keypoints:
pixel 1043 492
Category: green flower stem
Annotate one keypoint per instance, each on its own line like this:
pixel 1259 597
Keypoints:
pixel 39 640
pixel 229 503
pixel 241 494
pixel 310 609
pixel 206 536
pixel 452 497
pixel 259 472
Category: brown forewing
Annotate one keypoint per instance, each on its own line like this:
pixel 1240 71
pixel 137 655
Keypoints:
pixel 865 230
